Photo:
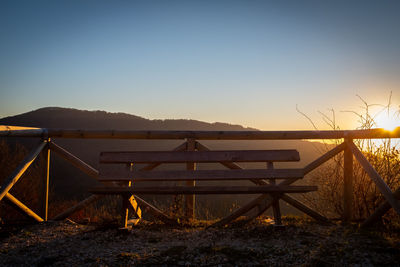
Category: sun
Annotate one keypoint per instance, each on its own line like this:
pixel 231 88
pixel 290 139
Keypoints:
pixel 387 121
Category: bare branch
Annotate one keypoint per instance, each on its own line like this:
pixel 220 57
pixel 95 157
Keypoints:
pixel 308 118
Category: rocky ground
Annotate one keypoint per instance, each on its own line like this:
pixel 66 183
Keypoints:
pixel 300 242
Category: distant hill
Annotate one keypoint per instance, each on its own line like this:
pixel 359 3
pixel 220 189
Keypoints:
pixel 70 182
pixel 55 117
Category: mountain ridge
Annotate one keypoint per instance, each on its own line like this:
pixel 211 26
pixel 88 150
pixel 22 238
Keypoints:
pixel 52 117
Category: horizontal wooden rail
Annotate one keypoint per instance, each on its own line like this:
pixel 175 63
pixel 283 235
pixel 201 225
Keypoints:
pixel 203 135
pixel 205 175
pixel 229 165
pixel 172 190
pixel 199 156
pixel 392 198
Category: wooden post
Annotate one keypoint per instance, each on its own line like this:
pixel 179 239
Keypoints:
pixel 126 201
pixel 125 210
pixel 45 197
pixel 348 184
pixel 190 199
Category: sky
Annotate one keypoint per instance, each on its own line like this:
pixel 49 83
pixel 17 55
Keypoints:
pixel 241 62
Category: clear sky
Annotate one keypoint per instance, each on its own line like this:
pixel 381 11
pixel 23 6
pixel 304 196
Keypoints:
pixel 242 62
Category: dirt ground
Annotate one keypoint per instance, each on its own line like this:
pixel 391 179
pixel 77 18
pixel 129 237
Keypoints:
pixel 301 242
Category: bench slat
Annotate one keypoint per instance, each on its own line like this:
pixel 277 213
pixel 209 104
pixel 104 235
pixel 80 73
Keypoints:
pixel 199 156
pixel 204 175
pixel 171 190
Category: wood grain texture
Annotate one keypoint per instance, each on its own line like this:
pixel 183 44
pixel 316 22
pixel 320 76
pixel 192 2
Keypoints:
pixel 199 156
pixel 203 189
pixel 203 175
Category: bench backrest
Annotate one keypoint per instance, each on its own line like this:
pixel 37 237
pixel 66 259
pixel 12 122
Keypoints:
pixel 199 156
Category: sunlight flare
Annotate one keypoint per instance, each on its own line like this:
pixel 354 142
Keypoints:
pixel 387 121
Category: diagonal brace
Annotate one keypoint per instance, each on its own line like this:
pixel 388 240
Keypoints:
pixel 20 170
pixel 267 199
pixel 373 174
pixel 20 206
pixel 380 211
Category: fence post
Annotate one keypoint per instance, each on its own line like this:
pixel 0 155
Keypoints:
pixel 191 166
pixel 348 184
pixel 45 197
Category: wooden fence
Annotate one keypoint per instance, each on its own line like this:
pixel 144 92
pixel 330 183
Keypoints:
pixel 192 143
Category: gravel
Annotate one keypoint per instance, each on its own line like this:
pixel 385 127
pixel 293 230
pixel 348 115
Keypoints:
pixel 300 242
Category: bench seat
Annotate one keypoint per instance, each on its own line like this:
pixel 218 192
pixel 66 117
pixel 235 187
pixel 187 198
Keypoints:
pixel 282 155
pixel 188 190
pixel 127 181
pixel 203 175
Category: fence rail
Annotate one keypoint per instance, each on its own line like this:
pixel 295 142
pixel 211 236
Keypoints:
pixel 259 204
pixel 199 135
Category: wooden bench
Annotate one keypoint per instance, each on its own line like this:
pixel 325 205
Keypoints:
pixel 121 183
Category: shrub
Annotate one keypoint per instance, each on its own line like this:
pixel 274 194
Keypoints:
pixel 384 155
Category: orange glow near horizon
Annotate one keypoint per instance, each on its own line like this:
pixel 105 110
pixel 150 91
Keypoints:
pixel 388 120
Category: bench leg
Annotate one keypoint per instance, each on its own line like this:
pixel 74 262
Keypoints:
pixel 129 201
pixel 125 210
pixel 275 204
pixel 262 205
pixel 277 211
pixel 135 207
pixel 190 202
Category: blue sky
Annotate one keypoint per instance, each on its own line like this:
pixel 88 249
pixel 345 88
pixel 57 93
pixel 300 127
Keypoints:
pixel 242 62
